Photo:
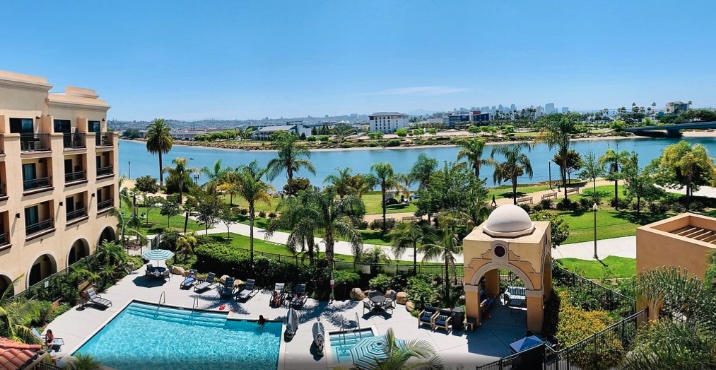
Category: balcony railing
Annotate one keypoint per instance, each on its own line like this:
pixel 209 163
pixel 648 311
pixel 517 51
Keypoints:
pixel 2 144
pixel 75 176
pixel 74 141
pixel 3 238
pixel 42 225
pixel 107 203
pixel 102 171
pixel 34 142
pixel 3 193
pixel 103 139
pixel 76 214
pixel 40 182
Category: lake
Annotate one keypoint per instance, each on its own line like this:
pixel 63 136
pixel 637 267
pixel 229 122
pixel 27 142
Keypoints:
pixel 360 160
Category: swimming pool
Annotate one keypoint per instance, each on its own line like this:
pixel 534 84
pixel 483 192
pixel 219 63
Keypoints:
pixel 342 342
pixel 178 339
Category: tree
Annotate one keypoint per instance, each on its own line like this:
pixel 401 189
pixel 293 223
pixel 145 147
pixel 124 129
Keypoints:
pixel 159 141
pixel 410 234
pixel 208 205
pixel 382 175
pixel 83 361
pixel 615 162
pixel 471 151
pixel 682 165
pixel 229 184
pixel 573 162
pixel 215 174
pixel 422 170
pixel 340 181
pixel 639 183
pixel 180 173
pixel 343 129
pixel 559 230
pixel 185 245
pixel 449 246
pixel 170 208
pixel 515 164
pixel 453 189
pixel 146 185
pixel 297 216
pixel 402 132
pixel 557 131
pixel 17 316
pixel 592 168
pixel 226 216
pixel 131 134
pixel 150 203
pixel 291 158
pixel 375 255
pixel 416 354
pixel 253 189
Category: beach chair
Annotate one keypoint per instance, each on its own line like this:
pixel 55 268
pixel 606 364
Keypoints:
pixel 367 304
pixel 248 289
pixel 56 344
pixel 189 280
pixel 389 305
pixel 442 320
pixel 150 270
pixel 300 296
pixel 227 289
pixel 426 316
pixel 206 284
pixel 277 295
pixel 97 299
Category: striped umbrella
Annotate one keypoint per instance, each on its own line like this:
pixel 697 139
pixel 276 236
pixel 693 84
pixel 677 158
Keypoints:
pixel 157 255
pixel 368 350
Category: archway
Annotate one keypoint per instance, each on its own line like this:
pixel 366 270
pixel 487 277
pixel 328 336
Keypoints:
pixel 108 234
pixel 44 266
pixel 79 250
pixel 6 282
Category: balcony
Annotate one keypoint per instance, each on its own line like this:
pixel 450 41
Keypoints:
pixel 107 203
pixel 34 142
pixel 82 212
pixel 38 183
pixel 3 192
pixel 104 171
pixel 38 227
pixel 74 141
pixel 104 139
pixel 2 144
pixel 4 241
pixel 75 176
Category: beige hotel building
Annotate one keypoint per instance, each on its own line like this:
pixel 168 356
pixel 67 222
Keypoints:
pixel 58 178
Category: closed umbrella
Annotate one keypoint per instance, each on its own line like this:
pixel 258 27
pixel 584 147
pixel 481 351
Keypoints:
pixel 368 350
pixel 157 255
pixel 525 344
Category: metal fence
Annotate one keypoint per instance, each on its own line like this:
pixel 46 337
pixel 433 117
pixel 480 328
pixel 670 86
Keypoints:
pixel 608 298
pixel 47 289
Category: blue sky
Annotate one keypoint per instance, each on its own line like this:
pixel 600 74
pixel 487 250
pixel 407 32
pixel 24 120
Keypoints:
pixel 255 59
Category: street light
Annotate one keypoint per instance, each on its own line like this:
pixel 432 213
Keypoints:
pixel 196 179
pixel 594 208
pixel 130 169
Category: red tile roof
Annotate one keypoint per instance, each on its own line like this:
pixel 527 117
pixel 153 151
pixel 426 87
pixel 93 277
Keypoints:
pixel 14 355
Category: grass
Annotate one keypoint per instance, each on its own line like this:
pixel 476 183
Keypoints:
pixel 616 267
pixel 157 222
pixel 372 201
pixel 505 191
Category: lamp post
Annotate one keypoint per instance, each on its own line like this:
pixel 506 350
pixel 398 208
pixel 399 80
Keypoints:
pixel 130 169
pixel 196 179
pixel 594 208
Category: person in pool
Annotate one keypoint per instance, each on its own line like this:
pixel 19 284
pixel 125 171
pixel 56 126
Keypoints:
pixel 261 320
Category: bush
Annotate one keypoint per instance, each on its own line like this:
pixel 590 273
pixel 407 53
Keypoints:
pixel 658 207
pixel 378 224
pixel 262 214
pixel 564 205
pixel 381 283
pixel 538 207
pixel 311 138
pixel 244 211
pixel 621 203
pixel 323 138
pixel 420 290
pixel 362 225
pixel 57 311
pixel 272 215
pixel 546 203
pixel 393 143
pixel 585 203
pixel 526 207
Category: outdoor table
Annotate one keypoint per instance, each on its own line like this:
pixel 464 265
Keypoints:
pixel 377 300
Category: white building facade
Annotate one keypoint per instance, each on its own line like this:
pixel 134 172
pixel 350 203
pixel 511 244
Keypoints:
pixel 388 122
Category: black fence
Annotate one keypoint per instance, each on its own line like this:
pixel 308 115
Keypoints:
pixel 606 349
pixel 608 299
pixel 50 288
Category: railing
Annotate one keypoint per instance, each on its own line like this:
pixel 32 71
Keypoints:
pixel 195 305
pixel 3 193
pixel 40 182
pixel 76 214
pixel 74 141
pixel 47 289
pixel 101 171
pixel 3 238
pixel 75 176
pixel 37 227
pixel 34 142
pixel 46 366
pixel 103 139
pixel 609 299
pixel 162 299
pixel 2 144
pixel 107 203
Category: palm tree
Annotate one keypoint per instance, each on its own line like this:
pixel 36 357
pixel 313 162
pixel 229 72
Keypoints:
pixel 382 175
pixel 296 215
pixel 84 362
pixel 422 169
pixel 159 141
pixel 472 152
pixel 450 245
pixel 185 245
pixel 179 172
pixel 557 130
pixel 409 234
pixel 128 227
pixel 515 165
pixel 17 316
pixel 253 189
pixel 416 354
pixel 291 158
pixel 111 254
pixel 591 169
pixel 215 173
pixel 340 181
pixel 615 161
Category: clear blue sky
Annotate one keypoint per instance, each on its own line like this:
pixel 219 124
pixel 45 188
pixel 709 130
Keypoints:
pixel 255 59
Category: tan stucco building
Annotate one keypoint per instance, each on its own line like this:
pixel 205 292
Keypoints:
pixel 58 177
pixel 509 240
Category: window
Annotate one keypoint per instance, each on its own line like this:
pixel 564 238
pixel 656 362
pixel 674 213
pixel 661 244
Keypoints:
pixel 62 125
pixel 31 216
pixel 499 251
pixel 21 125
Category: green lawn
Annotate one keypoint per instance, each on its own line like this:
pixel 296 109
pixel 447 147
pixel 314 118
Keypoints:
pixel 157 222
pixel 505 191
pixel 612 267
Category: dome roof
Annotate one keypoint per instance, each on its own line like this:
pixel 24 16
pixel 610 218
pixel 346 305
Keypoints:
pixel 508 221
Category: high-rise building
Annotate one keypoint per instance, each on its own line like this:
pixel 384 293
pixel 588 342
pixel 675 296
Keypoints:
pixel 58 178
pixel 565 109
pixel 549 108
pixel 388 122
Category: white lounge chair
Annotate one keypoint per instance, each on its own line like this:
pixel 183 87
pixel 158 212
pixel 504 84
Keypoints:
pixel 97 299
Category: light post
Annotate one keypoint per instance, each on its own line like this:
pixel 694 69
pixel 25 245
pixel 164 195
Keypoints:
pixel 130 169
pixel 550 174
pixel 594 208
pixel 196 179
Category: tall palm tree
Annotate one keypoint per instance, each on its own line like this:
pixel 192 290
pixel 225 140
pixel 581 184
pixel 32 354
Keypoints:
pixel 159 141
pixel 291 158
pixel 296 214
pixel 252 188
pixel 16 316
pixel 448 247
pixel 382 175
pixel 416 354
pixel 340 181
pixel 557 131
pixel 471 151
pixel 615 161
pixel 215 173
pixel 229 183
pixel 422 169
pixel 515 164
pixel 181 173
pixel 410 234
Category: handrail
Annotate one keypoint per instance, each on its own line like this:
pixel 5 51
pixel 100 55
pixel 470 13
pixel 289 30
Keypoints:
pixel 360 333
pixel 195 305
pixel 162 299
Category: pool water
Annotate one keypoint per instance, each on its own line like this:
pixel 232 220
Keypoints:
pixel 342 342
pixel 178 339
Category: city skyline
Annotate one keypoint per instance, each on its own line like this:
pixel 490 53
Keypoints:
pixel 188 61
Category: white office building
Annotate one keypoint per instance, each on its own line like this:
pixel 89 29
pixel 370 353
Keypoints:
pixel 388 122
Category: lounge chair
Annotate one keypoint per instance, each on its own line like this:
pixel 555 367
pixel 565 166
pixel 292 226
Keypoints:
pixel 56 344
pixel 300 296
pixel 228 288
pixel 206 284
pixel 367 304
pixel 277 295
pixel 97 299
pixel 189 280
pixel 389 305
pixel 442 320
pixel 248 289
pixel 426 316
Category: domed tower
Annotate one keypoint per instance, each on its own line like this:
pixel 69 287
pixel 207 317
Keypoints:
pixel 509 240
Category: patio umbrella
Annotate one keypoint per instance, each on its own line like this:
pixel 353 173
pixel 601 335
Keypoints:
pixel 525 344
pixel 157 255
pixel 368 350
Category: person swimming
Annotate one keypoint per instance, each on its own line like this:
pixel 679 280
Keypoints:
pixel 261 320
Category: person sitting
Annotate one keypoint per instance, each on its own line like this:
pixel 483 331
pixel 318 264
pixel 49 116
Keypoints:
pixel 261 320
pixel 275 299
pixel 49 338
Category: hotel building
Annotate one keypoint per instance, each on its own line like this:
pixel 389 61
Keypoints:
pixel 58 178
pixel 388 122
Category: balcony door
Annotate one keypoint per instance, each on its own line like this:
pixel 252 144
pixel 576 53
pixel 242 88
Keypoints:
pixel 29 174
pixel 32 216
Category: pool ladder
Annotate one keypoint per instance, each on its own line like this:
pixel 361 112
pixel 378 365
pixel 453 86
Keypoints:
pixel 195 305
pixel 162 299
pixel 360 333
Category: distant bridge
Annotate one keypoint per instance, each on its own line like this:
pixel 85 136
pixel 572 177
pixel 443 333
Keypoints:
pixel 670 130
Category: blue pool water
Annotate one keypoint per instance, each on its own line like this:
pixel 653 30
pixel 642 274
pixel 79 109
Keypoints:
pixel 178 339
pixel 341 343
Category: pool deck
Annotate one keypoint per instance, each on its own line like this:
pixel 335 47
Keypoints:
pixel 467 349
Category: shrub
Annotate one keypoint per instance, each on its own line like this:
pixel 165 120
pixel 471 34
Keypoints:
pixel 420 290
pixel 57 311
pixel 363 225
pixel 546 203
pixel 393 143
pixel 538 207
pixel 323 138
pixel 585 203
pixel 658 207
pixel 262 214
pixel 244 211
pixel 378 223
pixel 272 215
pixel 564 205
pixel 381 283
pixel 526 207
pixel 621 203
pixel 311 138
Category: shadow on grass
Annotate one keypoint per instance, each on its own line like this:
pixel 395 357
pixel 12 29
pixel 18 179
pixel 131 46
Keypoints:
pixel 642 218
pixel 508 194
